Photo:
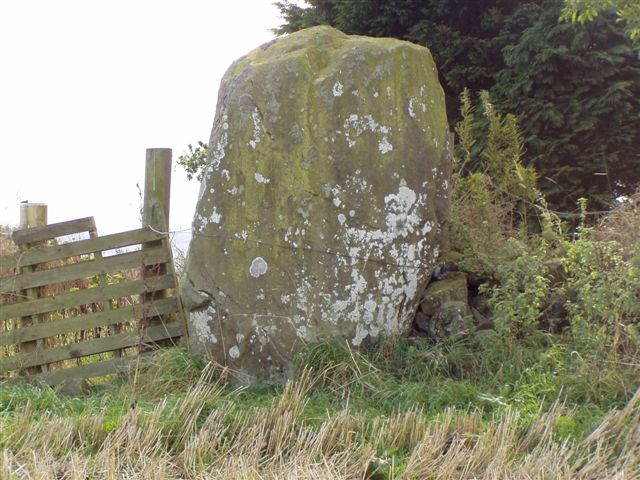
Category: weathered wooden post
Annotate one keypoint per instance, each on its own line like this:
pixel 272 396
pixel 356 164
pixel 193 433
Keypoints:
pixel 31 215
pixel 157 188
pixel 155 214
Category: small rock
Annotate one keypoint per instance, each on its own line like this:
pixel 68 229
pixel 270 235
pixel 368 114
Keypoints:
pixel 455 319
pixel 421 322
pixel 74 387
pixel 475 279
pixel 441 271
pixel 480 303
pixel 482 322
pixel 453 288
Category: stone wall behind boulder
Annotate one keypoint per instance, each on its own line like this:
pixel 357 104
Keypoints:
pixel 321 211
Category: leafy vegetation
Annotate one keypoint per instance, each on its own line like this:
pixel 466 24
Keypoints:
pixel 574 87
pixel 553 389
pixel 576 90
pixel 587 10
pixel 194 160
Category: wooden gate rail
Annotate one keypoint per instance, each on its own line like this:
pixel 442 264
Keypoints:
pixel 21 300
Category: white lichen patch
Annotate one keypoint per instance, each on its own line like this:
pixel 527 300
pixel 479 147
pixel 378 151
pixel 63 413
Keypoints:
pixel 398 218
pixel 216 157
pixel 341 219
pixel 337 89
pixel 410 109
pixel 385 146
pixel 354 253
pixel 260 178
pixel 355 126
pixel 234 352
pixel 199 323
pixel 215 216
pixel 301 332
pixel 218 153
pixel 257 128
pixel 370 306
pixel 335 192
pixel 361 334
pixel 386 311
pixel 258 267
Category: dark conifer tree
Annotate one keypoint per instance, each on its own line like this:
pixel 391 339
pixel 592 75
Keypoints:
pixel 574 87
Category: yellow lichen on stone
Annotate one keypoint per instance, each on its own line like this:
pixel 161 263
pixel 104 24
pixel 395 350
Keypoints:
pixel 321 211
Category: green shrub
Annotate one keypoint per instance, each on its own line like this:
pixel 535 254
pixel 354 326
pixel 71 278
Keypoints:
pixel 602 292
pixel 519 300
pixel 495 196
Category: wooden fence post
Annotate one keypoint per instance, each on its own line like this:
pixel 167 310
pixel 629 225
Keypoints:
pixel 32 215
pixel 155 214
pixel 157 189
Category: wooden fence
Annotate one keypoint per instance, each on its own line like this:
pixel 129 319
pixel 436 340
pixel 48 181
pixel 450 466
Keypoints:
pixel 88 307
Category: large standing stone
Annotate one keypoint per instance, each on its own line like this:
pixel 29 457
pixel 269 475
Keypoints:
pixel 321 211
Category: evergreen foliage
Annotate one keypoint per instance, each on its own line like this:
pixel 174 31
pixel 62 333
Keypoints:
pixel 465 36
pixel 586 10
pixel 574 87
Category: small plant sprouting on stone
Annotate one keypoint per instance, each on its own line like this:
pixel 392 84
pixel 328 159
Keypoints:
pixel 194 160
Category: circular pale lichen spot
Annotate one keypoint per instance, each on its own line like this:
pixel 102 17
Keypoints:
pixel 234 352
pixel 258 267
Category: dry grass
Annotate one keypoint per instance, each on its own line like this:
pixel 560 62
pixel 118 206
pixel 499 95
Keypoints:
pixel 7 247
pixel 622 224
pixel 202 436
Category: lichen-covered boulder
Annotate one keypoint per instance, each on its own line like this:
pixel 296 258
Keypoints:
pixel 321 211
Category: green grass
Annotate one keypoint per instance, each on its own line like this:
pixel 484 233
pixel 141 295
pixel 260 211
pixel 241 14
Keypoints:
pixel 347 414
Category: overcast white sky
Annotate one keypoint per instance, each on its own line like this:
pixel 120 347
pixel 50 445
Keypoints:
pixel 86 86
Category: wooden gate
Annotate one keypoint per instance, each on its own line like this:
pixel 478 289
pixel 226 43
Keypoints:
pixel 88 307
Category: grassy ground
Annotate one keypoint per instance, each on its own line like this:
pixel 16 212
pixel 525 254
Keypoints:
pixel 404 410
pixel 540 397
pixel 552 393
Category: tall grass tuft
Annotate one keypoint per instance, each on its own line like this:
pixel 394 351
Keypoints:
pixel 198 435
